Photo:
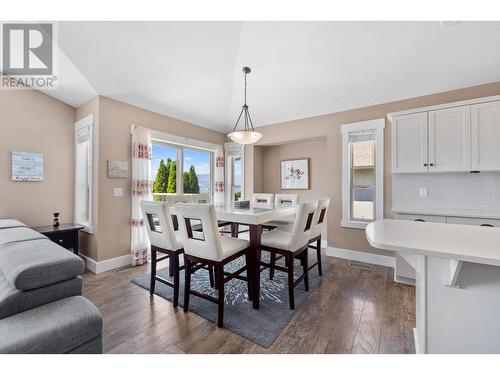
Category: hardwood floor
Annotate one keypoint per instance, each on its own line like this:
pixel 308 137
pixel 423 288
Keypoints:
pixel 353 310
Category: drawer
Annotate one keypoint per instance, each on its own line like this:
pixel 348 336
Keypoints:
pixel 473 221
pixel 426 218
pixel 64 239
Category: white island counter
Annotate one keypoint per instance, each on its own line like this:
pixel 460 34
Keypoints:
pixel 457 282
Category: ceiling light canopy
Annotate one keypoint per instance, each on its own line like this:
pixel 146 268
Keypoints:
pixel 248 135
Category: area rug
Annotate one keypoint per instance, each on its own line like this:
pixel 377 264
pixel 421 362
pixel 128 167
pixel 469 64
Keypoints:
pixel 259 326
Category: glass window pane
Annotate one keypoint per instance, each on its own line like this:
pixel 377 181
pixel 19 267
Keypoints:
pixel 82 214
pixel 163 171
pixel 237 179
pixel 196 174
pixel 362 180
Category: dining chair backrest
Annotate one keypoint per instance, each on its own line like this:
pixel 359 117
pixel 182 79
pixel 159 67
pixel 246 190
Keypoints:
pixel 321 211
pixel 202 198
pixel 172 200
pixel 205 244
pixel 262 198
pixel 303 224
pixel 159 225
pixel 286 198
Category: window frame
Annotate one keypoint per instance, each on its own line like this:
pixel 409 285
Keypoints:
pixel 378 126
pixel 180 144
pixel 86 122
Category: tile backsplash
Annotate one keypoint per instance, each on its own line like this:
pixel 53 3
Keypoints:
pixel 473 191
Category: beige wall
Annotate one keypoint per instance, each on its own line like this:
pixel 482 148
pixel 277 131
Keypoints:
pixel 32 121
pixel 329 126
pixel 115 118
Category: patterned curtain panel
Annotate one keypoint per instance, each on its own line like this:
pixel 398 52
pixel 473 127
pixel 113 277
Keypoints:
pixel 142 188
pixel 219 175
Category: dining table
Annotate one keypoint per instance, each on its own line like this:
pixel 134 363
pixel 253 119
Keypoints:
pixel 254 216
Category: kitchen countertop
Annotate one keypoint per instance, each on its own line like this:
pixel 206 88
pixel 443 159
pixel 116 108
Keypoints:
pixel 451 241
pixel 447 212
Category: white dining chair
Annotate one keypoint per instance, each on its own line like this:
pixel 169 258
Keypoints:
pixel 166 240
pixel 292 245
pixel 209 249
pixel 318 226
pixel 283 199
pixel 202 198
pixel 173 199
pixel 262 198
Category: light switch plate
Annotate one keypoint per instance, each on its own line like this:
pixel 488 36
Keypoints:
pixel 118 192
pixel 423 192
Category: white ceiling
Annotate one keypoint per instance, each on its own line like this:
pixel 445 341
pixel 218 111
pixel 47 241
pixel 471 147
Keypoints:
pixel 192 70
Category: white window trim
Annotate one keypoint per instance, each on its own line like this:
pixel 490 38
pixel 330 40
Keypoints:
pixel 231 147
pixel 81 124
pixel 378 125
pixel 181 143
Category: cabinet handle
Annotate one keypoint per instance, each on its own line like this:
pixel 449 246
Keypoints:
pixel 486 225
pixel 431 164
pixel 420 220
pixel 425 164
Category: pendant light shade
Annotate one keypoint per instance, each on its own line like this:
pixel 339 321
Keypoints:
pixel 247 135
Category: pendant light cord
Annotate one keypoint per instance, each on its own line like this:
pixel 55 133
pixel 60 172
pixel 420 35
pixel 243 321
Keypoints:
pixel 248 119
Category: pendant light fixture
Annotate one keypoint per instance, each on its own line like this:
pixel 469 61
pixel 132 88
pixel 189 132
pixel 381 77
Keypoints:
pixel 248 135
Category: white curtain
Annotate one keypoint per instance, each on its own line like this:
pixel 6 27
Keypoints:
pixel 219 175
pixel 142 188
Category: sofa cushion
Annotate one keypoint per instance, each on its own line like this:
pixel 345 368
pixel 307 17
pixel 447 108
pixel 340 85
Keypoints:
pixel 58 327
pixel 10 223
pixel 34 264
pixel 14 301
pixel 19 234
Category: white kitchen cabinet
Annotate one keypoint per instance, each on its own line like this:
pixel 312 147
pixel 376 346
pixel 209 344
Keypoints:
pixel 409 143
pixel 485 136
pixel 449 140
pixel 473 221
pixel 426 218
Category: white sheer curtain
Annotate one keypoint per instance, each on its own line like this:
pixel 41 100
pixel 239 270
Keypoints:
pixel 141 189
pixel 219 175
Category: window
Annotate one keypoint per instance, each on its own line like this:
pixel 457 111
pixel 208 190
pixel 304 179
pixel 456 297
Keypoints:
pixel 234 171
pixel 83 172
pixel 180 166
pixel 362 172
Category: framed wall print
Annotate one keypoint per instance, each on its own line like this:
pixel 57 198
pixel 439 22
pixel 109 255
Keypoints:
pixel 295 174
pixel 27 166
pixel 117 169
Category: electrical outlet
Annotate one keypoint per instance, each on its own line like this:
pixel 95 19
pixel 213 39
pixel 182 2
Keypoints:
pixel 423 192
pixel 118 192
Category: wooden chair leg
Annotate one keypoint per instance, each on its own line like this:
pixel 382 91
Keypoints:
pixel 305 267
pixel 187 283
pixel 318 252
pixel 219 272
pixel 289 266
pixel 175 265
pixel 272 262
pixel 153 272
pixel 170 266
pixel 211 276
pixel 249 277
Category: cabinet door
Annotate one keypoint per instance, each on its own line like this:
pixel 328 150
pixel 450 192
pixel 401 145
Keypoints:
pixel 449 140
pixel 485 136
pixel 409 143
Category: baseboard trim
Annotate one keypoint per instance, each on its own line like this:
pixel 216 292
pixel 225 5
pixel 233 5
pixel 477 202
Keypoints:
pixel 106 265
pixel 359 256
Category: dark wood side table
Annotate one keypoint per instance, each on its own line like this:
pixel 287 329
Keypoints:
pixel 65 235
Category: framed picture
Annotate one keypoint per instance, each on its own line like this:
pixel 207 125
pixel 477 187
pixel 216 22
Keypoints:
pixel 295 174
pixel 117 169
pixel 27 166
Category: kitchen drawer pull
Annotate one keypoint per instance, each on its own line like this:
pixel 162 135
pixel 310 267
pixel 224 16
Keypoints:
pixel 487 225
pixel 425 164
pixel 420 220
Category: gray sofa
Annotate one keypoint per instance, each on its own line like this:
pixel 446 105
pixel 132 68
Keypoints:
pixel 41 305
